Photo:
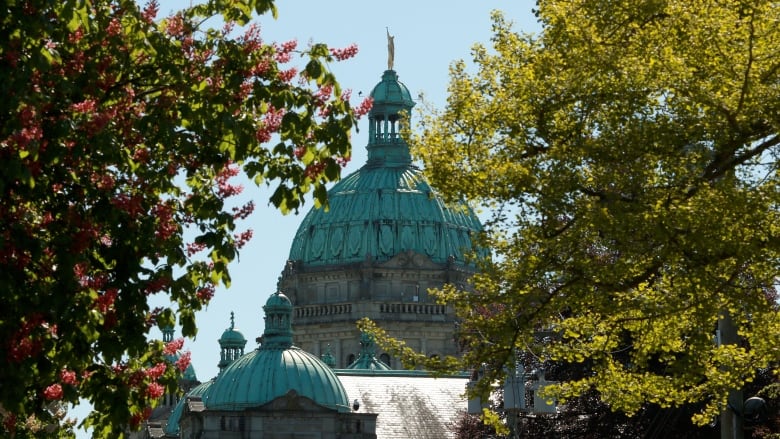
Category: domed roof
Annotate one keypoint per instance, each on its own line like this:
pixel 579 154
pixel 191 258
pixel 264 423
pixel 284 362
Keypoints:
pixel 386 207
pixel 232 337
pixel 263 375
pixel 172 426
pixel 367 359
pixel 391 91
pixel 276 368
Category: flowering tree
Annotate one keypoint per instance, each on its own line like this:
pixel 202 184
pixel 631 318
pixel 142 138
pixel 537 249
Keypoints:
pixel 629 152
pixel 119 135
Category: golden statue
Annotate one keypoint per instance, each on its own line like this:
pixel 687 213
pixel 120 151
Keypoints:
pixel 390 50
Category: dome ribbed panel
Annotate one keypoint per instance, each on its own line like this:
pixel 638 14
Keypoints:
pixel 263 375
pixel 172 427
pixel 382 211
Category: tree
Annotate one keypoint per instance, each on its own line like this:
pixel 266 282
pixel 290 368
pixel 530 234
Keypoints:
pixel 119 134
pixel 628 155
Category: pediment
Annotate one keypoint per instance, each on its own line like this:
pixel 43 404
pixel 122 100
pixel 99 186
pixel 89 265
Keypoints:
pixel 292 401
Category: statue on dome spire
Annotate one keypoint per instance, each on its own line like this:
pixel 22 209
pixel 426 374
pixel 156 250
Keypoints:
pixel 390 49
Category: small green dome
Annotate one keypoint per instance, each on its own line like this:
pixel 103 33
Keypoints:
pixel 232 337
pixel 277 301
pixel 231 344
pixel 367 359
pixel 391 92
pixel 276 368
pixel 263 375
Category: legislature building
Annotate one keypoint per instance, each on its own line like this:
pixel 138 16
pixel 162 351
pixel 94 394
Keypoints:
pixel 385 240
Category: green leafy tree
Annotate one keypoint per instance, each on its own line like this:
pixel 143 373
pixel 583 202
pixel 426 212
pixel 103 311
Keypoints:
pixel 119 135
pixel 628 154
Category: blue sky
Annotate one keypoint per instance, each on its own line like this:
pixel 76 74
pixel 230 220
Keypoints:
pixel 429 36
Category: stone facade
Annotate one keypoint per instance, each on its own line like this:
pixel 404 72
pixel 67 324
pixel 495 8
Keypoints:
pixel 394 294
pixel 288 417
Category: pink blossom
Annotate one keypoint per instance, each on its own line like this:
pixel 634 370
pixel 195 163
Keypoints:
pixel 261 67
pixel 87 106
pixel 364 107
pixel 195 247
pixel 224 188
pixel 244 211
pixel 242 238
pixel 155 390
pixel 289 46
pixel 114 27
pixel 270 124
pixel 68 377
pixel 150 11
pixel 175 26
pixel 173 346
pixel 53 392
pixel 156 371
pixel 313 170
pixel 282 57
pixel 76 36
pixel 106 300
pixel 166 225
pixel 345 53
pixel 323 94
pixel 288 75
pixel 204 294
pixel 184 361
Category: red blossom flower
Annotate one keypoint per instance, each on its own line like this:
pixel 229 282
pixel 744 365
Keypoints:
pixel 364 107
pixel 68 377
pixel 155 390
pixel 175 26
pixel 195 247
pixel 244 211
pixel 173 346
pixel 53 392
pixel 114 27
pixel 243 238
pixel 205 294
pixel 150 11
pixel 137 418
pixel 106 300
pixel 288 75
pixel 184 361
pixel 156 371
pixel 345 53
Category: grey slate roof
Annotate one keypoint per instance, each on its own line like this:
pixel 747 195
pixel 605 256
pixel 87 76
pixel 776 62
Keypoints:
pixel 410 404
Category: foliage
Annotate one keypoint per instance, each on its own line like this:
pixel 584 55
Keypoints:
pixel 628 154
pixel 119 135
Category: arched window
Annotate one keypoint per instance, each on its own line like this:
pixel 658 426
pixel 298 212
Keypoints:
pixel 385 359
pixel 350 359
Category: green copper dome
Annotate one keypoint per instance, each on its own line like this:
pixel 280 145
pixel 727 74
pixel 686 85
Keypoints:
pixel 231 343
pixel 387 206
pixel 367 359
pixel 172 426
pixel 274 369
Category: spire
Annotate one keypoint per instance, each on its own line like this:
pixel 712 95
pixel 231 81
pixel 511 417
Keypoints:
pixel 367 358
pixel 278 325
pixel 392 101
pixel 328 358
pixel 231 344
